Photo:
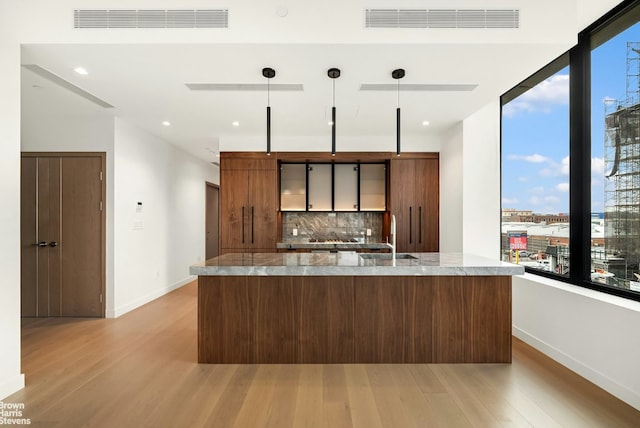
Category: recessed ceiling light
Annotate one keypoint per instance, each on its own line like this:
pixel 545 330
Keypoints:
pixel 166 123
pixel 81 70
pixel 425 123
pixel 236 123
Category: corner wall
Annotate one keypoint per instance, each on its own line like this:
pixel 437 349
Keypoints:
pixel 157 241
pixel 481 182
pixel 11 379
pixel 592 333
pixel 451 176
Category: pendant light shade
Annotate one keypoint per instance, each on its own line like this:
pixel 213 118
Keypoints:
pixel 398 74
pixel 269 73
pixel 333 73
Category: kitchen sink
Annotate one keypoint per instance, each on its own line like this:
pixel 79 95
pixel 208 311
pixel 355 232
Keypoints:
pixel 387 256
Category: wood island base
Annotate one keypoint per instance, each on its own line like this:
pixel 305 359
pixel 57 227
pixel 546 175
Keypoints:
pixel 354 319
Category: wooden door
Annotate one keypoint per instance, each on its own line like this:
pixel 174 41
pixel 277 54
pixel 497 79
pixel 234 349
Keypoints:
pixel 402 203
pixel 261 215
pixel 234 208
pixel 212 211
pixel 427 196
pixel 40 226
pixel 62 234
pixel 81 245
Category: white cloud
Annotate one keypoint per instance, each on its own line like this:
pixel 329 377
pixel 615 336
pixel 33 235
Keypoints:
pixel 551 199
pixel 509 201
pixel 534 158
pixel 564 167
pixel 523 179
pixel 537 190
pixel 553 91
pixel 562 187
pixel 597 166
pixel 535 200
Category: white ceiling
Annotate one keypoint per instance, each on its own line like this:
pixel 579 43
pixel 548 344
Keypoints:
pixel 146 85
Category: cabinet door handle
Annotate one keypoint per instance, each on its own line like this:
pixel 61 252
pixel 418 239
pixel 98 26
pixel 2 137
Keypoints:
pixel 252 225
pixel 410 224
pixel 242 225
pixel 420 225
pixel 53 244
pixel 41 244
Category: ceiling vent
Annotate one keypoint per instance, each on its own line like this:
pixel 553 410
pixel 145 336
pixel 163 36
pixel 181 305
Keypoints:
pixel 46 74
pixel 244 86
pixel 151 18
pixel 430 87
pixel 442 18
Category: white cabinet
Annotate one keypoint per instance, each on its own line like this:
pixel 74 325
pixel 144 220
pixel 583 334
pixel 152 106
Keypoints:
pixel 293 187
pixel 373 187
pixel 345 184
pixel 320 187
pixel 333 187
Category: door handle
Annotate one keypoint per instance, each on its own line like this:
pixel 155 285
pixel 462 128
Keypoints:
pixel 53 244
pixel 410 224
pixel 242 220
pixel 420 225
pixel 41 244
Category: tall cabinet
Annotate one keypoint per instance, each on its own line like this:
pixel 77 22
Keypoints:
pixel 415 198
pixel 248 204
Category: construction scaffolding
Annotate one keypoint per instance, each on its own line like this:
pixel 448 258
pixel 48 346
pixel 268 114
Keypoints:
pixel 622 168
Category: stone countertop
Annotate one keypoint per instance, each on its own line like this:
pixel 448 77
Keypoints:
pixel 332 245
pixel 352 264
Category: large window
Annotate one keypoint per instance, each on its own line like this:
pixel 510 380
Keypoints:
pixel 535 172
pixel 615 149
pixel 571 151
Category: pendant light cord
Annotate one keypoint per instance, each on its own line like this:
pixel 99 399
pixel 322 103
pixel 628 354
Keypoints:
pixel 268 92
pixel 334 92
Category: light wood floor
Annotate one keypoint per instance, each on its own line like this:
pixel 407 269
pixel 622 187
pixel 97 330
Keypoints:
pixel 138 370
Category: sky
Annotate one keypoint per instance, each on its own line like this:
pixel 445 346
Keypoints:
pixel 535 132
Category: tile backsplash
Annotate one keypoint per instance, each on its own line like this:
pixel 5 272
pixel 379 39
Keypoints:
pixel 332 226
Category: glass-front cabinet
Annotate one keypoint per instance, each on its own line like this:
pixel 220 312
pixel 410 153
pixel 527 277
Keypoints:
pixel 293 187
pixel 373 187
pixel 345 187
pixel 320 187
pixel 340 187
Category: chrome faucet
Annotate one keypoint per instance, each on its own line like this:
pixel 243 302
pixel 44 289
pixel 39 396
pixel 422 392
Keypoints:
pixel 393 240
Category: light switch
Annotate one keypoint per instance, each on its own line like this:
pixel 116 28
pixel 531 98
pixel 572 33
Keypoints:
pixel 368 232
pixel 295 232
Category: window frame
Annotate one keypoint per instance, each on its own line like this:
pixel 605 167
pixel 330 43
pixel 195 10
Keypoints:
pixel 579 61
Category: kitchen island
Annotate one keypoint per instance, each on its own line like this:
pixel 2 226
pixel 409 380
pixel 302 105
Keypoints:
pixel 354 308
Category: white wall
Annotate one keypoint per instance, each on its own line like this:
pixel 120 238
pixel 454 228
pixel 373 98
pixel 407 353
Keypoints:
pixel 10 377
pixel 481 182
pixel 155 243
pixel 593 334
pixel 142 264
pixel 451 177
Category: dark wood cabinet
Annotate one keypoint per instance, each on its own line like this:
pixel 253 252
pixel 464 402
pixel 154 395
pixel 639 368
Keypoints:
pixel 414 190
pixel 248 205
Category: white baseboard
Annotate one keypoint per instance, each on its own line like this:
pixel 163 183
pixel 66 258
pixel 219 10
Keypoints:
pixel 611 386
pixel 148 298
pixel 8 387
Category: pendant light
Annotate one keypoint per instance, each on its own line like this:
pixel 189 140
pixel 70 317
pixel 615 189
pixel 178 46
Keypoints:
pixel 333 73
pixel 269 73
pixel 398 74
